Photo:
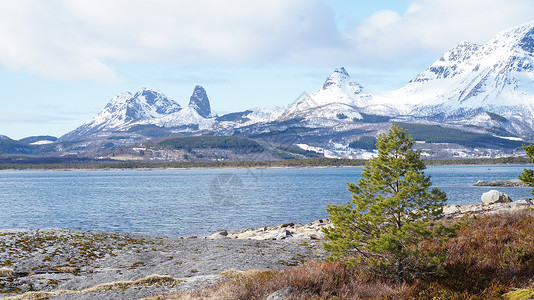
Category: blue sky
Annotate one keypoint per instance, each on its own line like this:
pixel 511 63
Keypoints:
pixel 61 61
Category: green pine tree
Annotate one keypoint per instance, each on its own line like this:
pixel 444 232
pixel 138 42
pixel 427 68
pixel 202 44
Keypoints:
pixel 389 214
pixel 528 174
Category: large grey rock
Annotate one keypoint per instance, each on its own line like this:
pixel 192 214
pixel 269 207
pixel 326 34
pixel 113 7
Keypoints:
pixel 284 234
pixel 521 202
pixel 222 234
pixel 453 209
pixel 494 196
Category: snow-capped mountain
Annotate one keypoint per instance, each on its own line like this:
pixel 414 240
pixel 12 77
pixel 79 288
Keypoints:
pixel 473 80
pixel 148 106
pixel 197 115
pixel 126 109
pixel 339 96
pixel 340 99
pixel 481 89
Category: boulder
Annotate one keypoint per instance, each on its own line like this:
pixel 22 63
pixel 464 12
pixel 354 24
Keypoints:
pixel 453 209
pixel 284 234
pixel 494 196
pixel 318 236
pixel 522 202
pixel 221 234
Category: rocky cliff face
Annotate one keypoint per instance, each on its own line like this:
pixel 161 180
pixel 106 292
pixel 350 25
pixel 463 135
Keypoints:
pixel 200 103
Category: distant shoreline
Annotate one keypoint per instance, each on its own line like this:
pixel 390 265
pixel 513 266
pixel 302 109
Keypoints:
pixel 289 163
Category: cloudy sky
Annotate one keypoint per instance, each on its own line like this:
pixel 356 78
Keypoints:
pixel 61 61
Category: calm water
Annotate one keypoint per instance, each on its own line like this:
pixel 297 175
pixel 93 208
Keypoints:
pixel 198 202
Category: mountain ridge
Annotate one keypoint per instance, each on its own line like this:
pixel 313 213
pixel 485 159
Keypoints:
pixel 478 88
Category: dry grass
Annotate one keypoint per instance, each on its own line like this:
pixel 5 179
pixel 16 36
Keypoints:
pixel 117 285
pixel 6 272
pixel 147 281
pixel 489 257
pixel 239 275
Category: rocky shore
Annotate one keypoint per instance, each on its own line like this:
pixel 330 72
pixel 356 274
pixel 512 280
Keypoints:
pixel 311 231
pixel 492 202
pixel 502 183
pixel 68 264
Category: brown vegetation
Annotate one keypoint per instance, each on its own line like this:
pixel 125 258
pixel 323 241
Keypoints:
pixel 489 257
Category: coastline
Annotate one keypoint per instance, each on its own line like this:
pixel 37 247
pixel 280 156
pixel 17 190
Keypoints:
pixel 275 164
pixel 73 264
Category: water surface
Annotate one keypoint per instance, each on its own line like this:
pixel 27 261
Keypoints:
pixel 177 202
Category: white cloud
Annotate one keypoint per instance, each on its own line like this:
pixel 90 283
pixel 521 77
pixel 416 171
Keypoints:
pixel 431 27
pixel 67 39
pixel 80 39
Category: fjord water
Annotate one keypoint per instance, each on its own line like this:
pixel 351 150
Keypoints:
pixel 176 202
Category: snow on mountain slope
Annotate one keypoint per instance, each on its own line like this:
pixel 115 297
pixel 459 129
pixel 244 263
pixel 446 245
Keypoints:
pixel 490 85
pixel 265 114
pixel 340 98
pixel 497 77
pixel 188 116
pixel 197 113
pixel 149 106
pixel 126 109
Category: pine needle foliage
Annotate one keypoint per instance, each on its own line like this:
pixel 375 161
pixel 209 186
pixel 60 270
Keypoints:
pixel 528 174
pixel 391 211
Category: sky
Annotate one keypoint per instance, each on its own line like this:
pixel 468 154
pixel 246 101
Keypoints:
pixel 62 61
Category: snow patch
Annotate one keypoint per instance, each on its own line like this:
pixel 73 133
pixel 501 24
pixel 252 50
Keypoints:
pixel 43 142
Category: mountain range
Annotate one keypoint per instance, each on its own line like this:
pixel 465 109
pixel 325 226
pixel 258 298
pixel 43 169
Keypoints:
pixel 475 100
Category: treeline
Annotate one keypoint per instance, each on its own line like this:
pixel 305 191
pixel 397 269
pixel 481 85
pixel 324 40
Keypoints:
pixel 291 163
pixel 438 134
pixel 365 142
pixel 479 161
pixel 237 144
pixel 311 162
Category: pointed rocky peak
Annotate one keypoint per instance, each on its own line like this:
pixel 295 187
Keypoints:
pixel 199 102
pixel 341 71
pixel 338 78
pixel 341 80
